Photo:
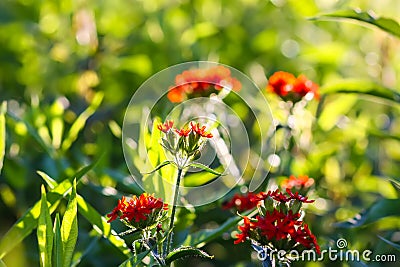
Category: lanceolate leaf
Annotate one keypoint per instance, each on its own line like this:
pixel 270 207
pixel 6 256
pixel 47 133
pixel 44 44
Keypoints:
pixel 49 181
pixel 361 87
pixel 58 246
pixel 185 252
pixel 69 228
pixel 2 133
pixel 204 168
pixel 380 209
pixel 25 225
pixel 165 163
pixel 45 232
pixel 386 24
pixel 2 264
pixel 200 178
pixel 101 226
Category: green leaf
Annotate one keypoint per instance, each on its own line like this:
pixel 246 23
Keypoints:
pixel 79 255
pixel 3 109
pixel 361 87
pixel 80 122
pixel 200 238
pixel 69 228
pixel 49 181
pixel 32 131
pixel 165 163
pixel 185 251
pixel 2 264
pixel 200 178
pixel 204 168
pixel 45 232
pixel 25 225
pixel 135 260
pixel 380 209
pixel 388 25
pixel 58 246
pixel 395 245
pixel 396 186
pixel 101 226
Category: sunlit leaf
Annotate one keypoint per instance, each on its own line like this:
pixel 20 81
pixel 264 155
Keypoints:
pixel 45 232
pixel 386 24
pixel 380 209
pixel 25 225
pixel 49 181
pixel 58 246
pixel 80 122
pixel 2 264
pixel 3 109
pixel 69 228
pixel 165 163
pixel 186 251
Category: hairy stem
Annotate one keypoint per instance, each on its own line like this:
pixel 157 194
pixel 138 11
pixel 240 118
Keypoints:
pixel 171 224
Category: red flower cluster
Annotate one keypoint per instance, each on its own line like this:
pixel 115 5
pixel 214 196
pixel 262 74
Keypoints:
pixel 302 181
pixel 290 88
pixel 195 127
pixel 201 82
pixel 276 226
pixel 144 208
pixel 241 202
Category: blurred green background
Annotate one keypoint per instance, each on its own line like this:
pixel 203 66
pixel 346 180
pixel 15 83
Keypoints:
pixel 69 61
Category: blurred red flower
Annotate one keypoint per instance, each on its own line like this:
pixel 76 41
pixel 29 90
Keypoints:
pixel 201 82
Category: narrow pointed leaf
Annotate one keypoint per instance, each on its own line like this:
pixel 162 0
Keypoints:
pixel 200 178
pixel 69 228
pixel 45 232
pixel 3 108
pixel 58 246
pixel 165 163
pixel 186 251
pixel 25 225
pixel 204 168
pixel 388 25
pixel 80 122
pixel 49 181
pixel 2 264
pixel 101 226
pixel 361 87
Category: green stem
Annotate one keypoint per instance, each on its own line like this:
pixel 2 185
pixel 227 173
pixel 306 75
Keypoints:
pixel 171 224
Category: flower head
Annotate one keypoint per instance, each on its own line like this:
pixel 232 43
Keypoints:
pixel 202 82
pixel 244 229
pixel 166 126
pixel 140 212
pixel 200 130
pixel 290 88
pixel 183 131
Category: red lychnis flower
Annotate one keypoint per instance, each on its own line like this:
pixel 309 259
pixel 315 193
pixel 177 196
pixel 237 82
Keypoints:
pixel 241 202
pixel 183 131
pixel 200 130
pixel 302 181
pixel 290 88
pixel 275 228
pixel 202 82
pixel 166 126
pixel 139 211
